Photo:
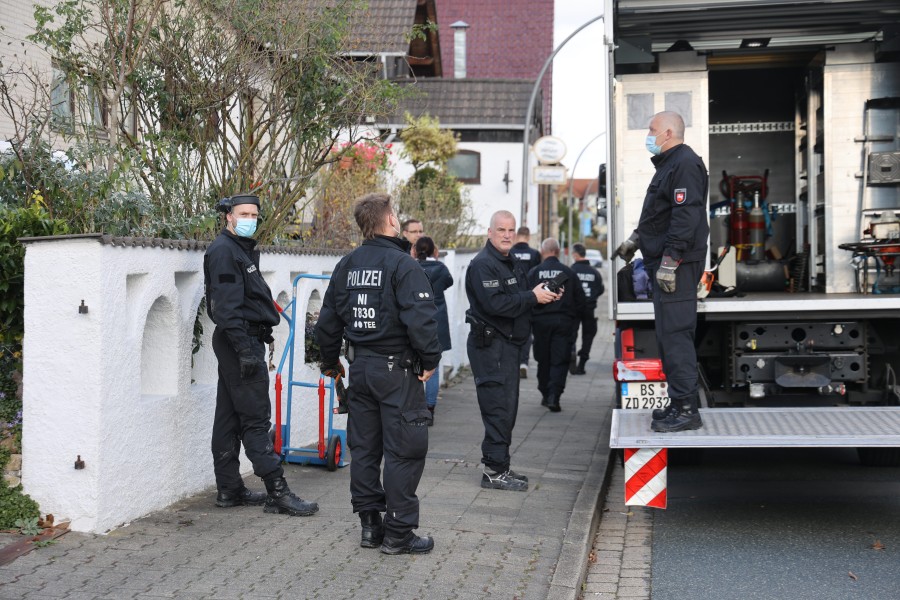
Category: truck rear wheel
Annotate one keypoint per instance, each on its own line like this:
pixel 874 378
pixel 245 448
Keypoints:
pixel 879 457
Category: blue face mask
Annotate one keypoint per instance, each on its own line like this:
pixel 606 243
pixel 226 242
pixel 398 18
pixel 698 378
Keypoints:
pixel 245 227
pixel 652 147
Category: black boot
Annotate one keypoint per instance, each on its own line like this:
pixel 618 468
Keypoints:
pixel 544 400
pixel 282 500
pixel 661 413
pixel 579 370
pixel 684 415
pixel 242 497
pixel 372 529
pixel 408 544
pixel 553 403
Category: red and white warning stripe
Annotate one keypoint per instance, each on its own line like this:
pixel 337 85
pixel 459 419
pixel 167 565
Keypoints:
pixel 645 476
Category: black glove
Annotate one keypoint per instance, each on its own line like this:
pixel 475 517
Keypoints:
pixel 249 363
pixel 627 248
pixel 265 335
pixel 334 370
pixel 665 275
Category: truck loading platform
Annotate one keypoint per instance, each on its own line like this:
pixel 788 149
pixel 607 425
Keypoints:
pixel 765 428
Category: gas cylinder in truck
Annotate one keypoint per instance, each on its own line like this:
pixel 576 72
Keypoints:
pixel 757 230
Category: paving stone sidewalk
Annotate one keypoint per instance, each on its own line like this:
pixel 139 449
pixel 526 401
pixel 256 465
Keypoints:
pixel 488 543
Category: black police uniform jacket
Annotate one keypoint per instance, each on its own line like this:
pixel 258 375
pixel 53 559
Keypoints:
pixel 237 296
pixel 379 298
pixel 497 293
pixel 591 283
pixel 673 219
pixel 572 302
pixel 528 256
pixel 441 279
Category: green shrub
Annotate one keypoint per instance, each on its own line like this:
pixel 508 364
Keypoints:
pixel 14 505
pixel 15 223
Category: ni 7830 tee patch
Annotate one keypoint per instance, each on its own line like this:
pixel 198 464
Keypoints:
pixel 680 195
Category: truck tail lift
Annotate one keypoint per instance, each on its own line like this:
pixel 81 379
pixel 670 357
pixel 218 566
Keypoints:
pixel 330 455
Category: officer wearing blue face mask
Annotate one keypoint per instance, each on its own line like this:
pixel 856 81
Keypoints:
pixel 672 237
pixel 239 302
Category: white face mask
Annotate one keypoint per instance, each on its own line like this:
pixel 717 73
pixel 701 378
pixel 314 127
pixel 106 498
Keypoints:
pixel 399 232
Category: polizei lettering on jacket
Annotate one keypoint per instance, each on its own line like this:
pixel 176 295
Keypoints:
pixel 363 278
pixel 548 273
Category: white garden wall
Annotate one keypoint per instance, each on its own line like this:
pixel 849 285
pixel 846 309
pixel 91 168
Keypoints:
pixel 116 386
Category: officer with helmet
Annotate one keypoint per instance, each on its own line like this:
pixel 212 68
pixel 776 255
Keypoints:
pixel 239 302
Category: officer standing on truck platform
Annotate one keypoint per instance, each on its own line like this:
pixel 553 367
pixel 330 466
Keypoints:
pixel 239 302
pixel 592 284
pixel 671 235
pixel 381 301
pixel 499 309
pixel 555 325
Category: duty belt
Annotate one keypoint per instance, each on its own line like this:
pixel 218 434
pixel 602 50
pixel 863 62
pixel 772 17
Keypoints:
pixel 364 351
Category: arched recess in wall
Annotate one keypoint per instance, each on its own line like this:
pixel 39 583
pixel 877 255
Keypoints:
pixel 159 350
pixel 204 366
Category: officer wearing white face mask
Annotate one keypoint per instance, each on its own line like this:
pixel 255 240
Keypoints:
pixel 239 302
pixel 672 236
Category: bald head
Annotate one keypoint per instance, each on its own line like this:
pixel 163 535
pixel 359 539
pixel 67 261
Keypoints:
pixel 549 247
pixel 668 129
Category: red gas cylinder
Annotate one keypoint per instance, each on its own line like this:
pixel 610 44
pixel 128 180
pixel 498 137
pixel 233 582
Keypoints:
pixel 740 230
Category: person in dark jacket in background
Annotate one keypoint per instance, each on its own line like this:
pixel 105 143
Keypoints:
pixel 239 302
pixel 592 284
pixel 499 309
pixel 380 300
pixel 555 325
pixel 441 279
pixel 672 236
pixel 529 257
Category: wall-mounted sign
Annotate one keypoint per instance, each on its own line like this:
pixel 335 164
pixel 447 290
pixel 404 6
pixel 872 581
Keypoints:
pixel 549 175
pixel 549 149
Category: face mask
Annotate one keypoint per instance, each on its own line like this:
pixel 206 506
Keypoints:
pixel 399 232
pixel 652 146
pixel 245 227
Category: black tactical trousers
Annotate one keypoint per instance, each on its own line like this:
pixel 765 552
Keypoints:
pixel 243 414
pixel 387 419
pixel 675 320
pixel 553 339
pixel 588 332
pixel 496 372
pixel 525 351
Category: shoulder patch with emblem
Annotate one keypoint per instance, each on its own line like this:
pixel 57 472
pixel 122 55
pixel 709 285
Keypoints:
pixel 491 283
pixel 680 195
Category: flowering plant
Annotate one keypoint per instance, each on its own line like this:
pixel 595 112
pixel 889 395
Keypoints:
pixel 367 154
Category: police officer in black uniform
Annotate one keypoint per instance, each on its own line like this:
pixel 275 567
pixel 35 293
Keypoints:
pixel 592 284
pixel 499 309
pixel 381 301
pixel 239 302
pixel 529 257
pixel 555 325
pixel 671 235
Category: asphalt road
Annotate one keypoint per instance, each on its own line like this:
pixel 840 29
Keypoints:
pixel 770 524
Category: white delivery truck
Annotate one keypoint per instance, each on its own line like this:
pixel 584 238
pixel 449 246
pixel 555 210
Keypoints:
pixel 794 105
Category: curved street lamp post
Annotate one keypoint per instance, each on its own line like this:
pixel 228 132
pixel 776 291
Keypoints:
pixel 530 113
